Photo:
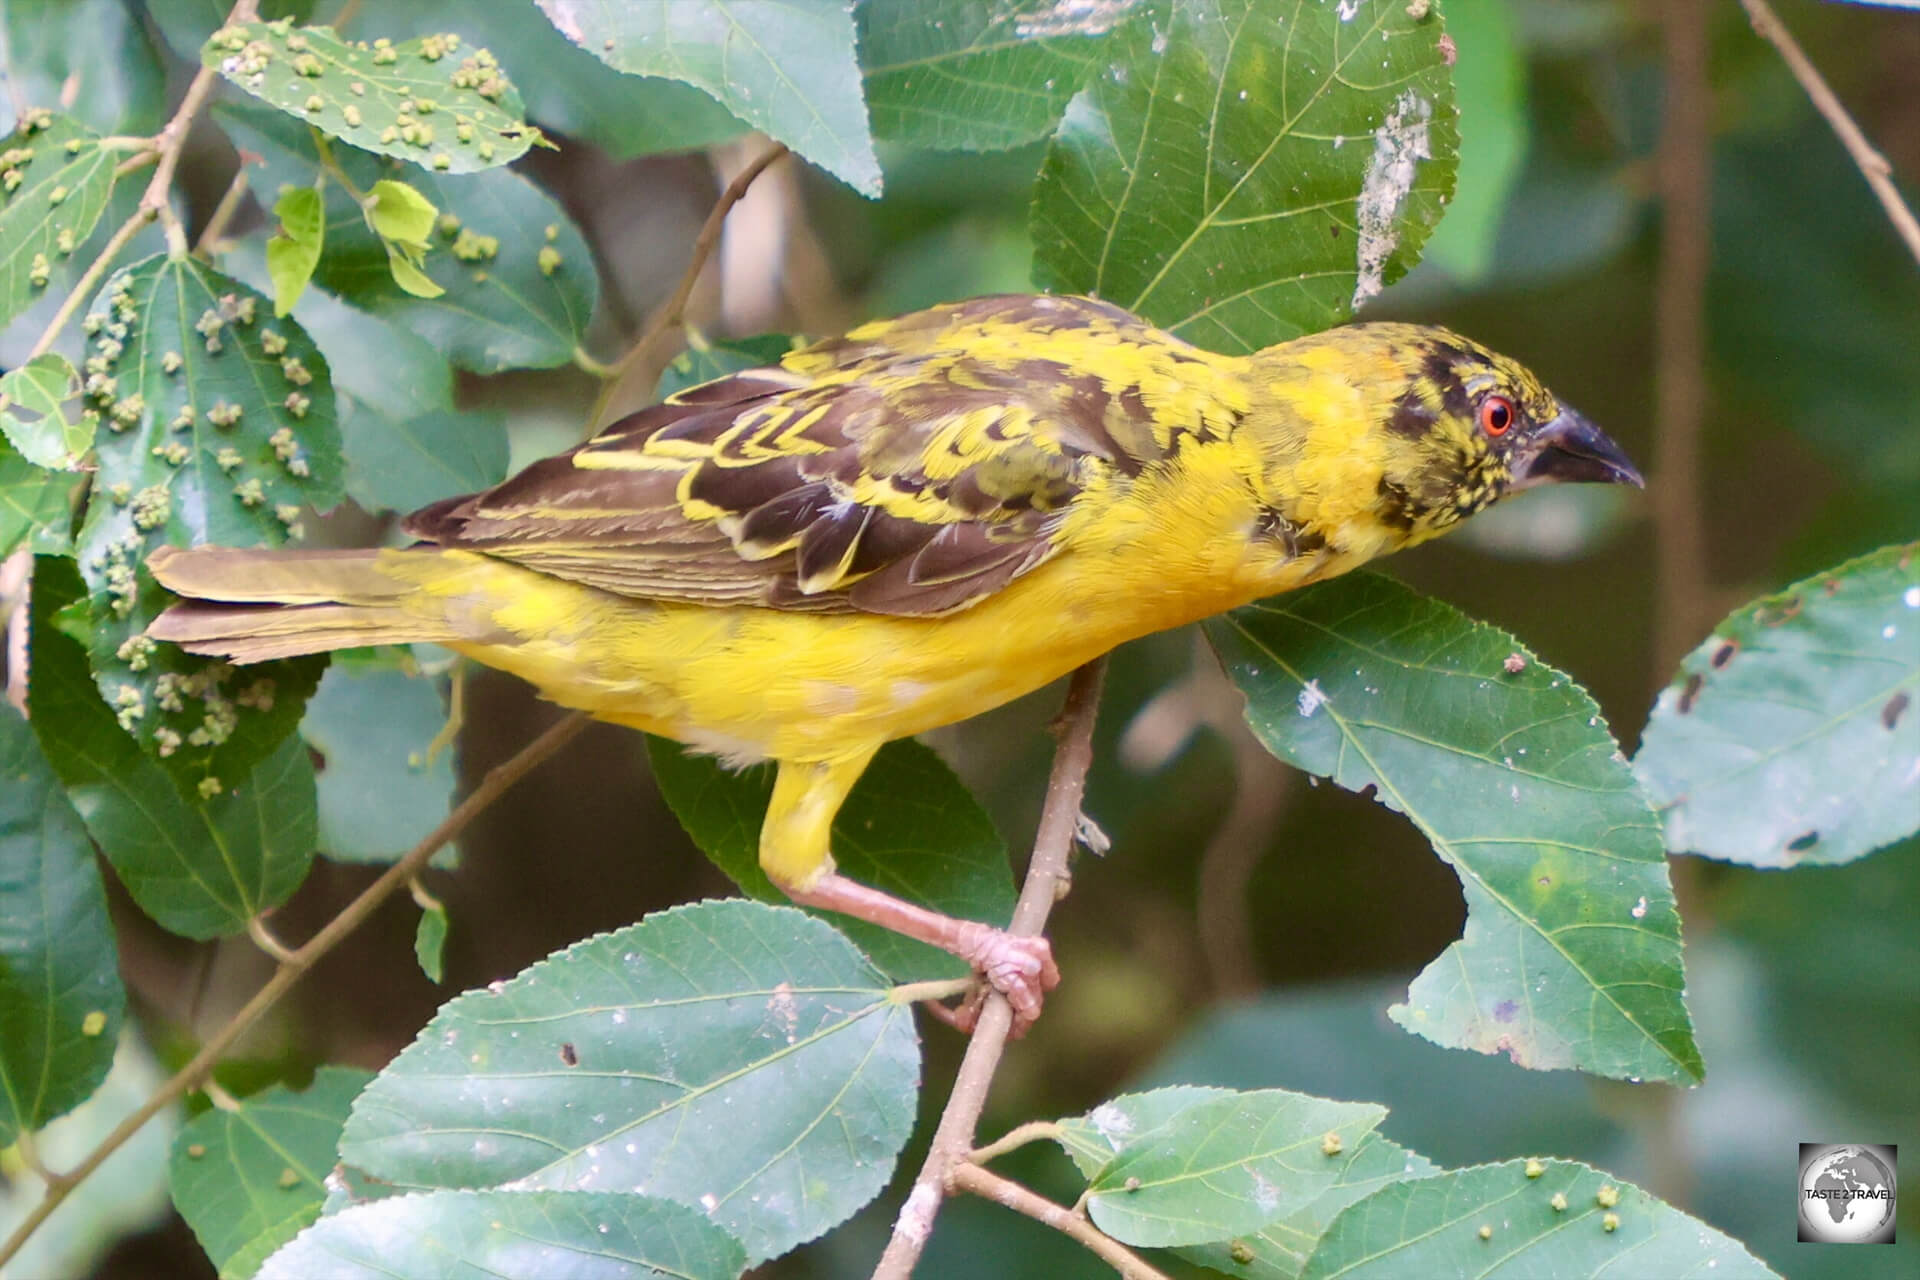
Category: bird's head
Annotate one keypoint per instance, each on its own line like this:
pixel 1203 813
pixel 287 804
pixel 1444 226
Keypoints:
pixel 1447 426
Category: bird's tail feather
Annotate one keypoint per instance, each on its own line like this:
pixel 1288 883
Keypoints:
pixel 254 606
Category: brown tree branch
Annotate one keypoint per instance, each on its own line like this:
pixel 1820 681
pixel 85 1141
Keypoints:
pixel 991 1186
pixel 673 313
pixel 1047 879
pixel 295 965
pixel 1679 381
pixel 1872 165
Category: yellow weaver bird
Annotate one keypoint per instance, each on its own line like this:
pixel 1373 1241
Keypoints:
pixel 906 526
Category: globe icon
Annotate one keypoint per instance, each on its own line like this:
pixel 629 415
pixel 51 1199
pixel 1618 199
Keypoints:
pixel 1846 1196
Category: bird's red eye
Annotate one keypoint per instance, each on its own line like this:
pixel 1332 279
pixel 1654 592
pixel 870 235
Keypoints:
pixel 1496 415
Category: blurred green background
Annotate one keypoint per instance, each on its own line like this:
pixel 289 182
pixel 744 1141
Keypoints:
pixel 1247 928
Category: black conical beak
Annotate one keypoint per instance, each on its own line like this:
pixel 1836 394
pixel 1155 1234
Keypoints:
pixel 1571 450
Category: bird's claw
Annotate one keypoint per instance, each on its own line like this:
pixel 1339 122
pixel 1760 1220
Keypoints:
pixel 1019 968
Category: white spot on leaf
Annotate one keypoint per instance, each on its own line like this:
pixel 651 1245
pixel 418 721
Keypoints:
pixel 1311 699
pixel 1399 145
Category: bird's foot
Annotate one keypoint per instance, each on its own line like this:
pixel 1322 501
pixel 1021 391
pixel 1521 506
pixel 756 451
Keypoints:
pixel 1019 968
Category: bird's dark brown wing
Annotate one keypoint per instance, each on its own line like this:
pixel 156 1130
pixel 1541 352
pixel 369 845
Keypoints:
pixel 912 467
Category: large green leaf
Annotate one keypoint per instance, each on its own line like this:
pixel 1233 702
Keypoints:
pixel 1791 736
pixel 60 996
pixel 436 101
pixel 248 1180
pixel 34 415
pixel 961 75
pixel 186 24
pixel 34 507
pixel 569 89
pixel 786 67
pixel 1224 1166
pixel 909 827
pixel 1497 1220
pixel 520 285
pixel 554 1235
pixel 1571 954
pixel 217 427
pixel 404 444
pixel 92 54
pixel 200 866
pixel 379 795
pixel 407 463
pixel 1277 1249
pixel 1247 172
pixel 739 1057
pixel 55 178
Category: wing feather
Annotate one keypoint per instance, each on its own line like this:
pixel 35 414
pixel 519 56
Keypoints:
pixel 912 467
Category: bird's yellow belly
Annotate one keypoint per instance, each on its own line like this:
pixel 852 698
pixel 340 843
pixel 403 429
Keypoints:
pixel 751 683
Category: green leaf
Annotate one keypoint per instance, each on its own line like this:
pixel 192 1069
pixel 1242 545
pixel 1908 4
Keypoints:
pixel 61 1002
pixel 755 1027
pixel 218 426
pixel 561 1235
pixel 909 827
pixel 785 67
pixel 1226 1166
pixel 1791 736
pixel 1490 80
pixel 392 389
pixel 1571 955
pixel 432 101
pixel 55 178
pixel 404 265
pixel 92 54
pixel 703 361
pixel 34 506
pixel 33 413
pixel 568 89
pixel 379 796
pixel 399 212
pixel 960 75
pixel 1091 1141
pixel 410 463
pixel 186 24
pixel 1432 1226
pixel 430 942
pixel 1279 1248
pixel 1243 176
pixel 500 310
pixel 201 867
pixel 294 251
pixel 247 1181
pixel 123 1197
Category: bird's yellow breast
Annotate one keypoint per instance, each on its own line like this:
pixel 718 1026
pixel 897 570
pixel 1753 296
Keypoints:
pixel 1177 544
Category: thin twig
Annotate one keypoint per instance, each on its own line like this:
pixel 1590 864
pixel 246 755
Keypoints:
pixel 1679 385
pixel 1872 165
pixel 1682 608
pixel 290 971
pixel 222 215
pixel 172 140
pixel 1046 876
pixel 1015 1138
pixel 1004 1191
pixel 673 313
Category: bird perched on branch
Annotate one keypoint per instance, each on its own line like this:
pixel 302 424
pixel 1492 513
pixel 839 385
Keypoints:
pixel 906 526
